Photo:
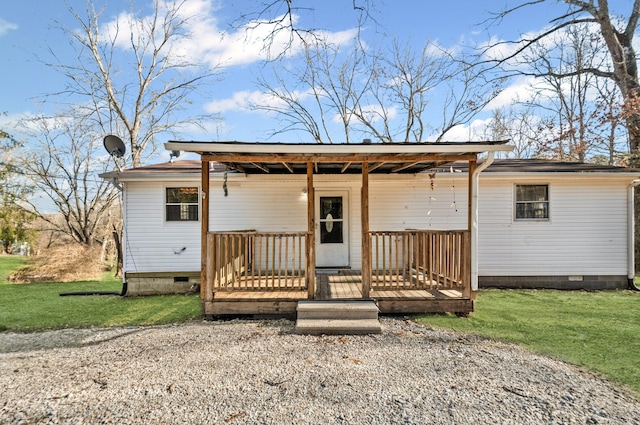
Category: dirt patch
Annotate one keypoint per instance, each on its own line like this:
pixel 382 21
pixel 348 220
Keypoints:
pixel 67 263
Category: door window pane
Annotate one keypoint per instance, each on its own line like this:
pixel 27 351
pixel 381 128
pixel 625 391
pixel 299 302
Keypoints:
pixel 331 232
pixel 331 221
pixel 331 205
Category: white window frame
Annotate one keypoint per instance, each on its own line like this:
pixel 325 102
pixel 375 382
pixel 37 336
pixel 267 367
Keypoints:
pixel 184 206
pixel 516 202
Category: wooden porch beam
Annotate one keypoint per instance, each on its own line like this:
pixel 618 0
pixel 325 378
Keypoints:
pixel 236 167
pixel 366 240
pixel 376 166
pixel 206 292
pixel 344 167
pixel 405 166
pixel 288 167
pixel 261 167
pixel 311 239
pixel 466 290
pixel 353 158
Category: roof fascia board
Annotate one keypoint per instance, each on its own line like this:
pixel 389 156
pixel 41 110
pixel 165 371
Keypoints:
pixel 566 175
pixel 327 149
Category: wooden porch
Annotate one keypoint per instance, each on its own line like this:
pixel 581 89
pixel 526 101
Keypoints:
pixel 407 271
pixel 339 285
pixel 265 273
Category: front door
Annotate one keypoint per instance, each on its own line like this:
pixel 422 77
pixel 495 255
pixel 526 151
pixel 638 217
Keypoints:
pixel 332 229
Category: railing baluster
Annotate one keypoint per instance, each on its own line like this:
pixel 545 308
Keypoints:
pixel 419 259
pixel 384 259
pixel 280 261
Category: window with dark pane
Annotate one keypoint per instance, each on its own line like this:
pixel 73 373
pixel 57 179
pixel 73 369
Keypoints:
pixel 532 202
pixel 182 204
pixel 331 221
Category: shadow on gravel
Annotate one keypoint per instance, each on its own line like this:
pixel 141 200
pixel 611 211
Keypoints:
pixel 64 338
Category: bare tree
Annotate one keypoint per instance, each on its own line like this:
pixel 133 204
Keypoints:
pixel 400 92
pixel 615 33
pixel 328 88
pixel 135 88
pixel 611 144
pixel 63 162
pixel 521 126
pixel 285 34
pixel 386 97
pixel 567 102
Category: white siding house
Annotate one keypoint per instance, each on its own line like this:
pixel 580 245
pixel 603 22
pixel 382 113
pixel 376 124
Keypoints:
pixel 575 235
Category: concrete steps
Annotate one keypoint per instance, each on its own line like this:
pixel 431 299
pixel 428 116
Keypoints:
pixel 337 317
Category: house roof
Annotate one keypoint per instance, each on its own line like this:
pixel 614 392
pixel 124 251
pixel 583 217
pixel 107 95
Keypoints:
pixel 547 166
pixel 292 158
pixel 193 167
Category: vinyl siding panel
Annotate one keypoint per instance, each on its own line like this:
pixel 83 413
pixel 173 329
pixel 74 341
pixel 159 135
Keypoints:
pixel 398 205
pixel 276 207
pixel 152 244
pixel 586 233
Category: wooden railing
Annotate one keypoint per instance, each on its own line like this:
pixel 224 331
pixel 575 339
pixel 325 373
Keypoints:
pixel 420 259
pixel 253 261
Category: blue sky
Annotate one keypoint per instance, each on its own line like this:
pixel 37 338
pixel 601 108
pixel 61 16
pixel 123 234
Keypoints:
pixel 28 29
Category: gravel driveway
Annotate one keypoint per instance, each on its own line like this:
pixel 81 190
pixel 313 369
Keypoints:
pixel 259 372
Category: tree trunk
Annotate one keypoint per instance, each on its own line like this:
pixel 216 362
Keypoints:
pixel 117 240
pixel 633 127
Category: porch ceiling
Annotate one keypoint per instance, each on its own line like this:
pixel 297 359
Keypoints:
pixel 291 158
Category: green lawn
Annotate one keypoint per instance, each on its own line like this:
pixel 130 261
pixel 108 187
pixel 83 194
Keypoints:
pixel 38 306
pixel 597 330
pixel 8 263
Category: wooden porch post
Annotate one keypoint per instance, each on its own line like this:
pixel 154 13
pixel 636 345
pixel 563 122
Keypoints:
pixel 311 238
pixel 467 293
pixel 366 241
pixel 206 294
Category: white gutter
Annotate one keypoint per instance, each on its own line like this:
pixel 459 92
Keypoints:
pixel 631 267
pixel 116 184
pixel 474 219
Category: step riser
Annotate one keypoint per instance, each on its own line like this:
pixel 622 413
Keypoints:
pixel 337 318
pixel 338 327
pixel 337 315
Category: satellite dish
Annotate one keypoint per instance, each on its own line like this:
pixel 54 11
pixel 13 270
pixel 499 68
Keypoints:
pixel 114 145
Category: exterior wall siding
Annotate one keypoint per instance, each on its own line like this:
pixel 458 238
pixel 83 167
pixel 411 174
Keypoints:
pixel 152 244
pixel 583 244
pixel 586 233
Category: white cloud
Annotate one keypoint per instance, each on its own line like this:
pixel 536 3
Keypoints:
pixel 520 91
pixel 209 43
pixel 5 26
pixel 244 100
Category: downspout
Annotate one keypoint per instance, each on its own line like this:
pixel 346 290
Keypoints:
pixel 114 182
pixel 117 185
pixel 631 268
pixel 474 219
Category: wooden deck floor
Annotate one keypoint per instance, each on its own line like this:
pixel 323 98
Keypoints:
pixel 343 285
pixel 347 284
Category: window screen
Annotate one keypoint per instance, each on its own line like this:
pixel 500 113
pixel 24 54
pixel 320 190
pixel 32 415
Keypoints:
pixel 182 204
pixel 532 202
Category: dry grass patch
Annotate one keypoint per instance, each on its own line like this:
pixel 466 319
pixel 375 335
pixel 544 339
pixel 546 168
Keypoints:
pixel 67 263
